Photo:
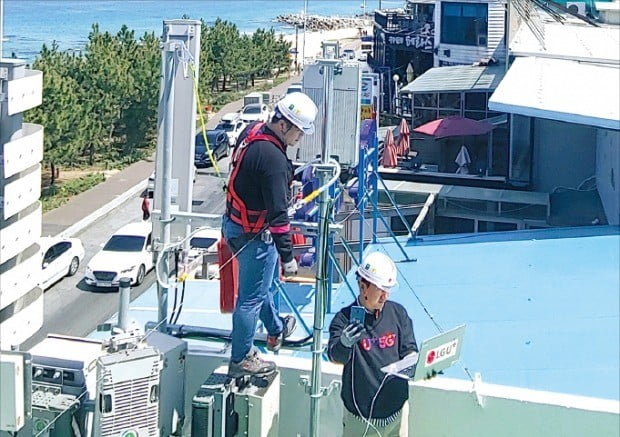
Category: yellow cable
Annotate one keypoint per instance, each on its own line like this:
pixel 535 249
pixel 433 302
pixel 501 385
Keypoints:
pixel 202 120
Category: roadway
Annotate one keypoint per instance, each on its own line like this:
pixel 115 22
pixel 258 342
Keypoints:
pixel 71 307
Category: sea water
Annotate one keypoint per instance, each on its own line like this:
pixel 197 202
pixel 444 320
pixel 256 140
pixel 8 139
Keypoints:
pixel 28 24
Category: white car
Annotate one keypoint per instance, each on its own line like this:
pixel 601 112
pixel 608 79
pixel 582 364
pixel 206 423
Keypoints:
pixel 126 254
pixel 254 112
pixel 232 129
pixel 296 87
pixel 60 257
pixel 204 242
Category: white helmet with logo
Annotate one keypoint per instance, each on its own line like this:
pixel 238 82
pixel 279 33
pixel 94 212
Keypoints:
pixel 300 110
pixel 378 269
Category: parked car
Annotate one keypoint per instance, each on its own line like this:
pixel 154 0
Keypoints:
pixel 218 143
pixel 254 112
pixel 126 254
pixel 296 87
pixel 229 117
pixel 232 129
pixel 60 257
pixel 363 57
pixel 348 54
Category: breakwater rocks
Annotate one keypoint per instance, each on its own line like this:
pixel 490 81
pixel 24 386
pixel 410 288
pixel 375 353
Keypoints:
pixel 320 22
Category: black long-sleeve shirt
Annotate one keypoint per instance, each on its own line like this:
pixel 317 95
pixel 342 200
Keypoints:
pixel 390 338
pixel 263 182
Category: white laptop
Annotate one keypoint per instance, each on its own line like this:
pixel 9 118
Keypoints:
pixel 436 354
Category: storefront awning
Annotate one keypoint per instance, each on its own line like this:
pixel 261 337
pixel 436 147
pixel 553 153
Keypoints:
pixel 456 79
pixel 561 90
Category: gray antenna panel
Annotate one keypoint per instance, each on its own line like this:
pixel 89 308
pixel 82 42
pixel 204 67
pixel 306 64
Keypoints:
pixel 345 122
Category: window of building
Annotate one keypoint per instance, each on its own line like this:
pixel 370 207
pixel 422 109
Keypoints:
pixel 464 23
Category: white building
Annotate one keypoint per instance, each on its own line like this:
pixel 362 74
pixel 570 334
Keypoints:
pixel 562 92
pixel 469 31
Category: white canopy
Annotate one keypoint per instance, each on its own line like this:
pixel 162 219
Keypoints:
pixel 561 90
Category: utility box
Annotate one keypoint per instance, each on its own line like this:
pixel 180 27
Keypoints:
pixel 128 392
pixel 345 117
pixel 172 384
pixel 12 396
pixel 213 413
pixel 257 406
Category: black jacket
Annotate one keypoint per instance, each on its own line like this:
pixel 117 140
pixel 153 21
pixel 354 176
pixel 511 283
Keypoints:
pixel 263 182
pixel 390 338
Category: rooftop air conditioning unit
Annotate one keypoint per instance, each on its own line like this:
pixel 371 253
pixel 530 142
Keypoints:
pixel 577 7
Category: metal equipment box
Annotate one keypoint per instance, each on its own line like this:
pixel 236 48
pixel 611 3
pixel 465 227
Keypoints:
pixel 172 381
pixel 12 411
pixel 213 412
pixel 128 391
pixel 258 407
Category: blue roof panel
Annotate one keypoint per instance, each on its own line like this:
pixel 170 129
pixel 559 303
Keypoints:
pixel 541 306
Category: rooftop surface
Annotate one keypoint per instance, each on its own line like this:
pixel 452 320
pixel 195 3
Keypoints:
pixel 541 306
pixel 570 39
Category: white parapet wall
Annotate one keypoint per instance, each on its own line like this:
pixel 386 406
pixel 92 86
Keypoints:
pixel 450 407
pixel 439 407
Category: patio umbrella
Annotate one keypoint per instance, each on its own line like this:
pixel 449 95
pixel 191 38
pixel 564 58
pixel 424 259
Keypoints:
pixel 402 148
pixel 389 158
pixel 463 160
pixel 454 127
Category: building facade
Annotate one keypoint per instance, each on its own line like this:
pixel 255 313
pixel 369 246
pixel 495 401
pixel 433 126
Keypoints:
pixel 469 32
pixel 21 152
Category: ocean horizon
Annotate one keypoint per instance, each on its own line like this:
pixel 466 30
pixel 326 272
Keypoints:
pixel 28 24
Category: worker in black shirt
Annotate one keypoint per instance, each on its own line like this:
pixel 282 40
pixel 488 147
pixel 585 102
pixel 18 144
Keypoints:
pixel 375 404
pixel 256 227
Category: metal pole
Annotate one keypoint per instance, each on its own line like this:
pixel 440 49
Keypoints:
pixel 323 258
pixel 166 200
pixel 296 48
pixel 124 291
pixel 1 26
pixel 303 56
pixel 319 308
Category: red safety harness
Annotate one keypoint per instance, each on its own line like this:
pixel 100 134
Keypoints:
pixel 252 221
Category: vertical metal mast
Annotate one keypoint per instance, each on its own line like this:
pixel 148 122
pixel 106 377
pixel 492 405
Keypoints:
pixel 1 26
pixel 169 68
pixel 323 173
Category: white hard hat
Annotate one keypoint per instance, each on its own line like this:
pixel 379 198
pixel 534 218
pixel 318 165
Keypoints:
pixel 378 269
pixel 300 110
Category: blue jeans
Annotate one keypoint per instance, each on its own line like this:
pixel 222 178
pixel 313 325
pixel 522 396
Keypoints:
pixel 258 267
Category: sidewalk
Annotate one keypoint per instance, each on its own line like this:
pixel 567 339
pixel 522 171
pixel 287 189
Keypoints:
pixel 85 208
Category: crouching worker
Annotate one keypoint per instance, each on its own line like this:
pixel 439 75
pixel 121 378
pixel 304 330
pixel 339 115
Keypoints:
pixel 375 404
pixel 256 227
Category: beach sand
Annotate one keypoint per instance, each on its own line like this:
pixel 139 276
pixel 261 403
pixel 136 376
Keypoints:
pixel 314 40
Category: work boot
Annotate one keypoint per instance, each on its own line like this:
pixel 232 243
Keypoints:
pixel 274 342
pixel 252 364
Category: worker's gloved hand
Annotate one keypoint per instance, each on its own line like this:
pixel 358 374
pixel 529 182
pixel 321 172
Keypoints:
pixel 432 374
pixel 352 333
pixel 290 268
